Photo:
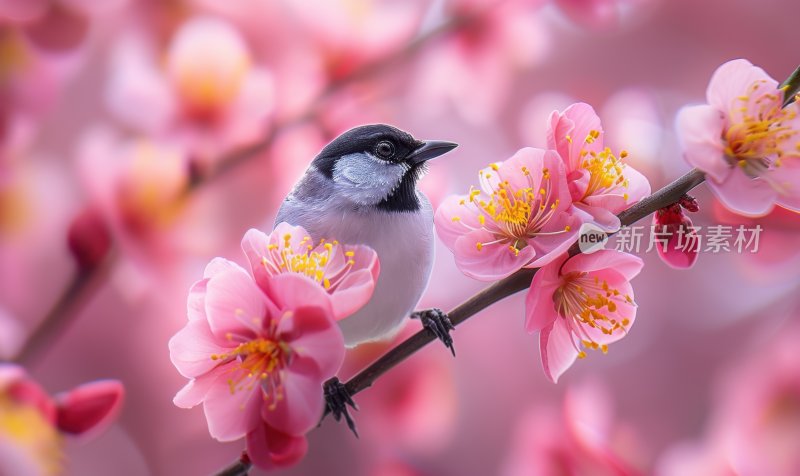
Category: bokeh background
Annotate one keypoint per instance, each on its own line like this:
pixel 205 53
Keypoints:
pixel 168 128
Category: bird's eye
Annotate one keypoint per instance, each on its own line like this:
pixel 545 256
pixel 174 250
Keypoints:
pixel 385 149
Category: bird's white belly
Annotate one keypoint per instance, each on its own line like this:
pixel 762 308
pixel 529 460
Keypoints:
pixel 404 243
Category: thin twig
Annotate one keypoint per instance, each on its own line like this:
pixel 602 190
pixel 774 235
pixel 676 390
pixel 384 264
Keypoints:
pixel 77 293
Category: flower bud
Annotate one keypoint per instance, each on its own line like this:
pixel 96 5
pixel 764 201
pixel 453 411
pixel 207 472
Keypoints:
pixel 88 239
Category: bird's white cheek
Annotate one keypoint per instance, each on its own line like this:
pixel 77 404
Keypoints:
pixel 366 180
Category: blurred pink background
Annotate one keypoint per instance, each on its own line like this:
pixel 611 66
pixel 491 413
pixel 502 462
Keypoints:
pixel 120 108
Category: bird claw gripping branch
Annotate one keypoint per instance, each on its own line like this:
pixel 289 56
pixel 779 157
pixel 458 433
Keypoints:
pixel 438 324
pixel 337 399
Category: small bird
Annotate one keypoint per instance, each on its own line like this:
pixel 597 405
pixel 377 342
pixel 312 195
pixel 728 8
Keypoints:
pixel 362 189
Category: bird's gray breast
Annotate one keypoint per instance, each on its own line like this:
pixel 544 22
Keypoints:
pixel 404 243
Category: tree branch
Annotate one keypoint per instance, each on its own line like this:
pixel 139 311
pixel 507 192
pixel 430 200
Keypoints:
pixel 77 293
pixel 238 468
pixel 518 281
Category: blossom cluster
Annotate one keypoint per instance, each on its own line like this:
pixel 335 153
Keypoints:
pixel 259 345
pixel 527 214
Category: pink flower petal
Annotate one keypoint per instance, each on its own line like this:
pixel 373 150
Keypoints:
pixel 558 349
pixel 301 408
pixel 745 195
pixel 235 305
pixel 293 291
pixel 638 185
pixel 254 245
pixel 786 181
pixel 731 80
pixel 196 302
pixel 355 290
pixel 194 392
pixel 312 334
pixel 568 132
pixel 627 265
pixel 491 262
pixel 90 406
pixel 600 216
pixel 453 220
pixel 269 448
pixel 699 129
pixel 219 265
pixel 550 247
pixel 16 384
pixel 539 309
pixel 192 347
pixel 232 414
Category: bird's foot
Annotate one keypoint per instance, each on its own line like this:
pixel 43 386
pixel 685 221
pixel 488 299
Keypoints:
pixel 437 323
pixel 337 398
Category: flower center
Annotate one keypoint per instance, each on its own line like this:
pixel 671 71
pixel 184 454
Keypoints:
pixel 758 140
pixel 312 262
pixel 516 214
pixel 13 56
pixel 521 213
pixel 259 363
pixel 605 169
pixel 26 427
pixel 153 185
pixel 588 302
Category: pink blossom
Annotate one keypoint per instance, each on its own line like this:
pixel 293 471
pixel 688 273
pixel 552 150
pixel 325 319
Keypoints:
pixel 31 421
pixel 601 184
pixel 347 272
pixel 520 217
pixel 210 95
pixel 678 242
pixel 257 353
pixel 584 301
pixel 744 141
pixel 138 186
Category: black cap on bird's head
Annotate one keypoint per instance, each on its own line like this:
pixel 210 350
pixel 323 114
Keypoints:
pixel 379 165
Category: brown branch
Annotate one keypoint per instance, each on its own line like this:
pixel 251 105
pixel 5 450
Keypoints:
pixel 239 468
pixel 78 292
pixel 513 284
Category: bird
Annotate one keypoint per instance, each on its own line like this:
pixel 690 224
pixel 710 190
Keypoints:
pixel 362 189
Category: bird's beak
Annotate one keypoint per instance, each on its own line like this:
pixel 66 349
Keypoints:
pixel 430 149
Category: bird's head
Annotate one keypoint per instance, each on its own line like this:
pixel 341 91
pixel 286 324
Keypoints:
pixel 378 165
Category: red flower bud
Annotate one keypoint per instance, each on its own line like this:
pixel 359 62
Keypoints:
pixel 682 242
pixel 88 239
